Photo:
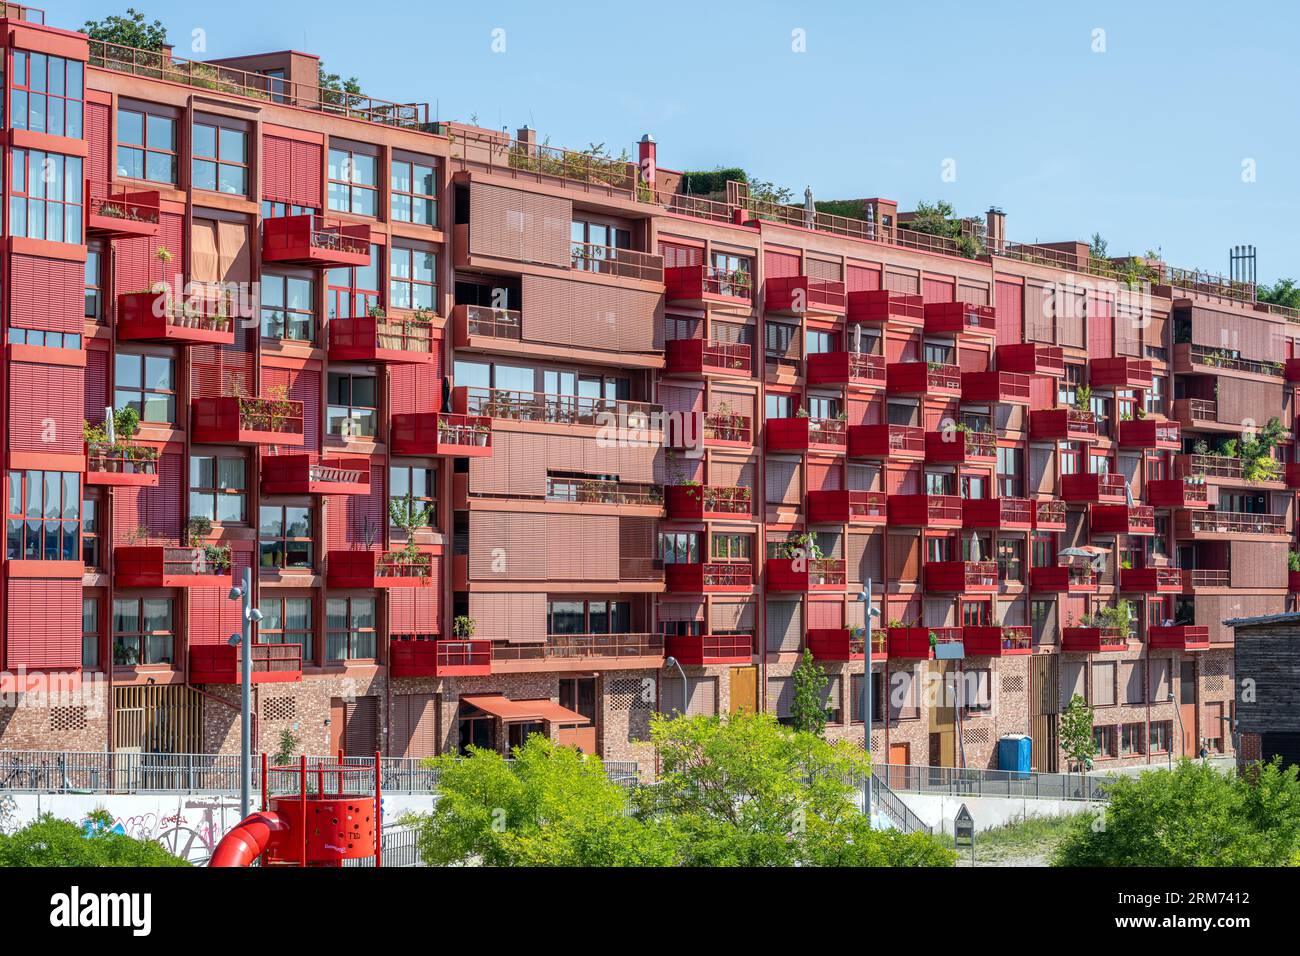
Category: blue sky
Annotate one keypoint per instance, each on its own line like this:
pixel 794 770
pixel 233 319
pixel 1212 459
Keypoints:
pixel 1144 142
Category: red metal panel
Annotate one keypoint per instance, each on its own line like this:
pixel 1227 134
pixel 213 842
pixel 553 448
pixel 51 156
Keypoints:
pixel 46 405
pixel 416 610
pixel 861 278
pixel 156 509
pixel 780 265
pixel 937 290
pixel 415 388
pixel 135 261
pixel 46 294
pixel 302 385
pixel 96 383
pixel 44 624
pixel 354 519
pixel 1101 331
pixel 99 158
pixel 213 617
pixel 1011 312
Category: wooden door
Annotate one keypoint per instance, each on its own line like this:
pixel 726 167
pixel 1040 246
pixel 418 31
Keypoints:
pixel 338 726
pixel 1187 706
pixel 744 689
pixel 900 756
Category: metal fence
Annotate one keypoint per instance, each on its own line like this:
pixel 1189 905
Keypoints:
pixel 889 803
pixel 963 782
pixel 400 848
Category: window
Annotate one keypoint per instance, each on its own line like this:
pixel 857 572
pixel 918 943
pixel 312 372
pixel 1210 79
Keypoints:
pixel 973 486
pixel 278 210
pixel 816 342
pixel 1067 389
pixel 49 340
pixel 977 692
pixel 579 694
pixel 148 384
pixel 415 192
pixel 781 341
pixel 284 537
pixel 940 483
pixel 1103 683
pixel 937 352
pixel 1011 559
pixel 1162 732
pixel 1100 406
pixel 1155 396
pixel 1130 739
pixel 732 547
pixel 45 196
pixel 90 632
pixel 1070 458
pixel 146 147
pixel 412 277
pixel 1011 477
pixel 93 259
pixel 353 182
pixel 1104 740
pixel 778 406
pixel 287 621
pixel 1042 619
pixel 353 405
pixel 143 632
pixel 218 489
pixel 350 629
pixel 734 274
pixel 681 547
pixel 877 697
pixel 288 308
pixel 91 556
pixel 418 482
pixel 354 290
pixel 220 159
pixel 47 94
pixel 823 407
pixel 44 519
pixel 588 617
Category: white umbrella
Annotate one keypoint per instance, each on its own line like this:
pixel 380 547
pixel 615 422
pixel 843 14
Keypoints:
pixel 111 431
pixel 975 554
pixel 857 337
pixel 809 207
pixel 1128 494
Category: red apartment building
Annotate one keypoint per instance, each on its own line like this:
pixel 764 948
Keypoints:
pixel 447 314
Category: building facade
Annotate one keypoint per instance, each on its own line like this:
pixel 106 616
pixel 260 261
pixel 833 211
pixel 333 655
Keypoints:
pixel 500 429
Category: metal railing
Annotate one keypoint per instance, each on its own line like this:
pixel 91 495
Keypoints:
pixel 494 323
pixel 616 261
pixel 603 491
pixel 1236 522
pixel 557 409
pixel 972 782
pixel 1206 578
pixel 582 647
pixel 889 803
pixel 1222 358
pixel 401 848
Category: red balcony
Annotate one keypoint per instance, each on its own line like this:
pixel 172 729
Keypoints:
pixel 1049 515
pixel 918 643
pixel 728 430
pixel 441 433
pixel 1062 424
pixel 921 511
pixel 1291 474
pixel 1119 372
pixel 884 306
pixel 153 566
pixel 697 358
pixel 440 658
pixel 246 421
pixel 1151 580
pixel 804 295
pixel 1178 493
pixel 314 240
pixel 955 318
pixel 1179 637
pixel 954 446
pixel 846 368
pixel 391 339
pixel 995 388
pixel 1087 486
pixel 308 475
pixel 1027 358
pixel 370 569
pixel 803 575
pixel 806 434
pixel 962 577
pixel 846 507
pixel 1151 433
pixel 898 442
pixel 1292 372
pixel 159 317
pixel 840 645
pixel 122 466
pixel 121 213
pixel 1006 514
pixel 700 286
pixel 700 650
pixel 1063 579
pixel 932 379
pixel 1123 519
pixel 1215 525
pixel 707 502
pixel 717 577
pixel 221 664
pixel 998 641
pixel 1093 640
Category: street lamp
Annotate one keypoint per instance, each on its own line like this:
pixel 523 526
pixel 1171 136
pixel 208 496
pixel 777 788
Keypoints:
pixel 868 613
pixel 686 685
pixel 250 615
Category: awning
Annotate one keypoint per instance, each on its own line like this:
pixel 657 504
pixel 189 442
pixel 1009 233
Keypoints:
pixel 523 711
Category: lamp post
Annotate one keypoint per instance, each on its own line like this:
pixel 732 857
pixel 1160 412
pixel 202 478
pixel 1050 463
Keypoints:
pixel 249 615
pixel 867 612
pixel 686 685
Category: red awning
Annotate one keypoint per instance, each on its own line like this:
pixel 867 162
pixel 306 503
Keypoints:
pixel 523 711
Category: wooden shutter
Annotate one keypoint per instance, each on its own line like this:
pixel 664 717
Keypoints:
pixel 784 626
pixel 361 720
pixel 415 726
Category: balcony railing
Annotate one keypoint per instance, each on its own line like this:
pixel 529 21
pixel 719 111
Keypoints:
pixel 315 240
pixel 587 171
pixel 17 11
pixel 582 647
pixel 1235 522
pixel 603 492
pixel 697 502
pixel 493 323
pixel 1209 466
pixel 1206 578
pixel 162 65
pixel 729 428
pixel 1225 359
pixel 557 409
pixel 699 283
pixel 121 465
pixel 696 356
pixel 1201 409
pixel 613 261
pixel 1049 515
pixel 700 649
pixel 371 338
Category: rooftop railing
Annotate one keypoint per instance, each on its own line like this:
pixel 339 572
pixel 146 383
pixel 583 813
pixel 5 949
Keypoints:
pixel 582 647
pixel 556 409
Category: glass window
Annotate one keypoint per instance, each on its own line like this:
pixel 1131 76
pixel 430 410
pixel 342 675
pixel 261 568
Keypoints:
pixel 43 522
pixel 90 632
pixel 415 193
pixel 277 210
pixel 412 277
pixel 218 489
pixel 353 405
pixel 45 199
pixel 353 182
pixel 93 259
pixel 418 482
pixel 146 147
pixel 220 159
pixel 90 553
pixel 288 308
pixel 47 94
pixel 353 291
pixel 680 547
pixel 285 536
pixel 350 629
pixel 147 383
pixel 143 631
pixel 288 621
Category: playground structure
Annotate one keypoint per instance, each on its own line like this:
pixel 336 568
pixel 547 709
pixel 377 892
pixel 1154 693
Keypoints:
pixel 318 815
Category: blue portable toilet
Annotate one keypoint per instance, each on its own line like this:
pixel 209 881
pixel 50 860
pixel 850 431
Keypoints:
pixel 1014 754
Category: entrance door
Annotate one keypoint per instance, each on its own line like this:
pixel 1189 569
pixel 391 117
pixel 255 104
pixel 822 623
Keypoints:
pixel 1187 706
pixel 744 689
pixel 338 726
pixel 900 756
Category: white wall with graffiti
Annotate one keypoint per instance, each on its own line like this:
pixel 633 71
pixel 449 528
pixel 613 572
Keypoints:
pixel 188 824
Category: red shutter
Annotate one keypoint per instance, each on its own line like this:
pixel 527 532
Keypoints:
pixel 1010 304
pixel 937 290
pixel 780 265
pixel 213 617
pixel 679 254
pixel 157 509
pixel 414 388
pixel 417 610
pixel 98 162
pixel 348 517
pixel 96 383
pixel 44 624
pixel 47 294
pixel 46 408
pixel 861 278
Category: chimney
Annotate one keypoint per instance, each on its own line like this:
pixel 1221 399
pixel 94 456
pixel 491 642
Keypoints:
pixel 996 228
pixel 527 137
pixel 647 160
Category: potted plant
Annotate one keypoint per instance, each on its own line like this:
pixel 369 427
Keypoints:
pixel 463 626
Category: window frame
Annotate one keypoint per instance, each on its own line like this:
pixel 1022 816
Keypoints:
pixel 285 314
pixel 72 197
pixel 142 635
pixel 351 407
pixel 283 544
pixel 19 516
pixel 411 196
pixel 351 184
pixel 219 490
pixel 219 161
pixel 352 632
pixel 278 605
pixel 407 255
pixel 146 146
pixel 171 396
pixel 21 85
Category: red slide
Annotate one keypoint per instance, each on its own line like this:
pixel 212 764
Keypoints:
pixel 248 840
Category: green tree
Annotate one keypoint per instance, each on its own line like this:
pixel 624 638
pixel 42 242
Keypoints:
pixel 1284 292
pixel 1075 733
pixel 1097 249
pixel 53 842
pixel 808 708
pixel 334 85
pixel 131 30
pixel 1193 815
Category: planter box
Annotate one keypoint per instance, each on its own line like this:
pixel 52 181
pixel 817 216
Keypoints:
pixel 369 569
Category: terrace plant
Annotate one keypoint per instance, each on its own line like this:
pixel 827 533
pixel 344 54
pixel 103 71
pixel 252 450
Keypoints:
pixel 463 626
pixel 1293 560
